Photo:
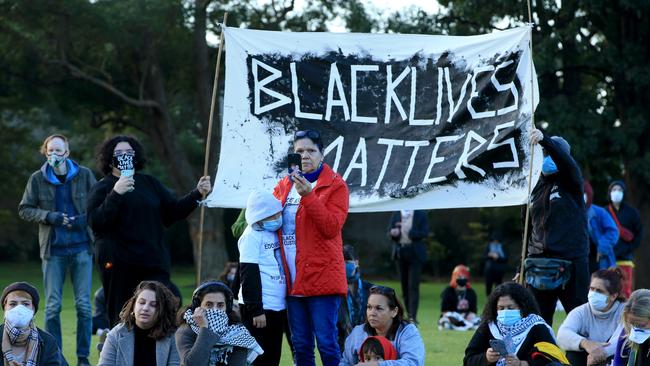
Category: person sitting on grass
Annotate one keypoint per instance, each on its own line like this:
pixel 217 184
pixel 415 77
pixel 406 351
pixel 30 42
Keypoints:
pixel 511 320
pixel 211 333
pixel 22 342
pixel 633 346
pixel 145 334
pixel 589 332
pixel 385 317
pixel 458 305
pixel 377 348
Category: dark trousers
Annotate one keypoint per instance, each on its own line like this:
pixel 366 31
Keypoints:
pixel 579 358
pixel 571 295
pixel 120 281
pixel 269 337
pixel 492 277
pixel 410 269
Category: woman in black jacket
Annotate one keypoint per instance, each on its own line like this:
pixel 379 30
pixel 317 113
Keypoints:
pixel 128 212
pixel 511 320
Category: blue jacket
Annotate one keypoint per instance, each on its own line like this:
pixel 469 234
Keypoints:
pixel 604 234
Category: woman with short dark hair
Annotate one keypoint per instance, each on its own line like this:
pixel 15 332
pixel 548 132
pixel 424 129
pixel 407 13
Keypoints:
pixel 385 318
pixel 145 334
pixel 512 332
pixel 315 203
pixel 128 212
pixel 210 332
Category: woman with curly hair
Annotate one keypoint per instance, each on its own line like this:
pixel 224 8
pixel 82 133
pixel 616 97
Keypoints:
pixel 128 212
pixel 145 335
pixel 512 332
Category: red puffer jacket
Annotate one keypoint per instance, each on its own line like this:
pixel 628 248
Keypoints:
pixel 320 269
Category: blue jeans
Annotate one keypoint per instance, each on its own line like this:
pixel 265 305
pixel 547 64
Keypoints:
pixel 314 316
pixel 55 269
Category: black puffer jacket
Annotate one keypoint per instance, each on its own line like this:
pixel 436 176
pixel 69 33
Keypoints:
pixel 558 214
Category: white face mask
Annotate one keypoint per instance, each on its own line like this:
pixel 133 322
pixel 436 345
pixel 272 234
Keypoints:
pixel 639 335
pixel 20 316
pixel 616 196
pixel 597 301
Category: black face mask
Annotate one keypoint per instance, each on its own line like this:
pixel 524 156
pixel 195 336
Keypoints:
pixel 123 161
pixel 462 282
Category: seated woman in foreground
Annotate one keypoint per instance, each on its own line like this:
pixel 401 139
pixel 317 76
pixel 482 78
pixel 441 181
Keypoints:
pixel 633 347
pixel 211 333
pixel 145 335
pixel 590 331
pixel 385 317
pixel 512 333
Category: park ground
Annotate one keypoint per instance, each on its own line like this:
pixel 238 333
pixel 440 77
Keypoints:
pixel 443 348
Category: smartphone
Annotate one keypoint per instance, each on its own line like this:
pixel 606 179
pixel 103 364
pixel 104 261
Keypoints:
pixel 499 345
pixel 294 162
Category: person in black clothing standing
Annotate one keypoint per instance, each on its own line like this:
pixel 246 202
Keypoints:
pixel 496 262
pixel 408 229
pixel 559 225
pixel 630 230
pixel 128 211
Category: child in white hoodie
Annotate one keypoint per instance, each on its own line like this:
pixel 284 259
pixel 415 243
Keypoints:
pixel 262 296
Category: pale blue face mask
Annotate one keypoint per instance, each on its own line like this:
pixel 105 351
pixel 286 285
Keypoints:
pixel 597 301
pixel 272 225
pixel 639 335
pixel 508 317
pixel 548 166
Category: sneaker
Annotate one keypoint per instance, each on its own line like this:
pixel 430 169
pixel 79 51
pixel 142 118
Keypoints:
pixel 102 333
pixel 83 361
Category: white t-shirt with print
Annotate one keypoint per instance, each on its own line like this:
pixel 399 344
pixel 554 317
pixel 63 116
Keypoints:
pixel 263 248
pixel 289 229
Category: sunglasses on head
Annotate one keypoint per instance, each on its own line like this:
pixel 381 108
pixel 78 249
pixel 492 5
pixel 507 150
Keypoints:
pixel 382 290
pixel 307 133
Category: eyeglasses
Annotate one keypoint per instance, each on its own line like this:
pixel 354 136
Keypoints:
pixel 307 133
pixel 382 290
pixel 120 152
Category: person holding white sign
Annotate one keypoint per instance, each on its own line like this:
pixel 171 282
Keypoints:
pixel 315 203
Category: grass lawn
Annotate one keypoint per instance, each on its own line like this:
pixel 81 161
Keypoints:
pixel 444 348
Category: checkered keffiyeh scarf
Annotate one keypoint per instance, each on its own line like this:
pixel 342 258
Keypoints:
pixel 234 335
pixel 20 337
pixel 515 335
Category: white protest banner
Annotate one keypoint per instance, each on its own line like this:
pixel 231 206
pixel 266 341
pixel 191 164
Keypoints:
pixel 409 121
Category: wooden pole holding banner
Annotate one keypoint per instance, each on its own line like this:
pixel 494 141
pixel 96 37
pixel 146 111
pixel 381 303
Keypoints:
pixel 524 243
pixel 206 158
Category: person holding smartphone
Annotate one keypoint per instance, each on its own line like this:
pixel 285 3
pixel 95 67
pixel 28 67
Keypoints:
pixel 512 332
pixel 128 214
pixel 315 202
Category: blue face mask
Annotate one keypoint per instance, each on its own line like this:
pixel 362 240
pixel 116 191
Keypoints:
pixel 548 166
pixel 639 335
pixel 508 317
pixel 351 271
pixel 272 225
pixel 597 301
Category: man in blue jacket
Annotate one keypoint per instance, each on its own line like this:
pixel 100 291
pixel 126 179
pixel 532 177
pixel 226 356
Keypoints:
pixel 55 198
pixel 603 233
pixel 559 224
